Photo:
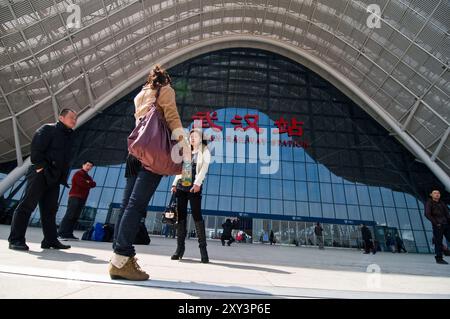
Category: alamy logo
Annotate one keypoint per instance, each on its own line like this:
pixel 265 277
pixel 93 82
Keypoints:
pixel 74 19
pixel 374 276
pixel 374 19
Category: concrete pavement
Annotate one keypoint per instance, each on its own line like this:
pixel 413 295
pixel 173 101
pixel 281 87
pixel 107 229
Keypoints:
pixel 239 271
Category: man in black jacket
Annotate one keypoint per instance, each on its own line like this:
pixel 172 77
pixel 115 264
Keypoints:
pixel 318 230
pixel 367 238
pixel 437 212
pixel 227 230
pixel 50 158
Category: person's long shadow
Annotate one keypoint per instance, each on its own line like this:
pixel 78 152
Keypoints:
pixel 214 263
pixel 62 256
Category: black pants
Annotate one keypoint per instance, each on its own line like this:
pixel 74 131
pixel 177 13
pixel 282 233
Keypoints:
pixel 74 207
pixel 438 234
pixel 37 192
pixel 194 199
pixel 227 237
pixel 368 246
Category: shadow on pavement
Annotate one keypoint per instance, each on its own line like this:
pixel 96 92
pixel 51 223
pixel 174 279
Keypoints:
pixel 62 256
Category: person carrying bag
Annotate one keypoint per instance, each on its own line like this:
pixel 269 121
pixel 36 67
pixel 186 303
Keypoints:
pixel 201 158
pixel 154 104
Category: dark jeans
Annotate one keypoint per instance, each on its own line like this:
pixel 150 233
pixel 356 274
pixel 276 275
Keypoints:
pixel 36 192
pixel 368 246
pixel 195 200
pixel 438 234
pixel 142 191
pixel 74 207
pixel 130 181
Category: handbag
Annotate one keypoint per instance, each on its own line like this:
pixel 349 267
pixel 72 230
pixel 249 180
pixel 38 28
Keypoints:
pixel 170 215
pixel 151 143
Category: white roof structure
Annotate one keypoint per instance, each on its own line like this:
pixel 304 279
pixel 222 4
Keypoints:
pixel 397 72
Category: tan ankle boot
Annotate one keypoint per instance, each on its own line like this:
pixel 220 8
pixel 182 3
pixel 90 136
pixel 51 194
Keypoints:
pixel 127 268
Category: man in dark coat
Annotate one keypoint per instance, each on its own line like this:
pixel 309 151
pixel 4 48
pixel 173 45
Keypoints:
pixel 50 158
pixel 367 238
pixel 226 234
pixel 318 231
pixel 437 212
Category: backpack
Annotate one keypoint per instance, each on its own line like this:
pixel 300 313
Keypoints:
pixel 98 232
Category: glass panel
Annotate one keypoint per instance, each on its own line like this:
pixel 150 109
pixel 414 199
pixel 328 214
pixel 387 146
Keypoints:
pixel 264 206
pixel 314 192
pixel 263 188
pixel 302 209
pixel 238 204
pixel 211 202
pixel 112 177
pixel 315 210
pixel 301 191
pixel 353 212
pixel 375 196
pixel 226 185
pixel 386 194
pixel 238 186
pixel 350 194
pixel 251 205
pixel 225 203
pixel 289 208
pixel 338 193
pixel 100 175
pixel 363 195
pixel 341 211
pixel 391 216
pixel 416 221
pixel 403 218
pixel 213 184
pixel 276 188
pixel 276 207
pixel 328 210
pixel 288 190
pixel 326 193
pixel 312 173
pixel 399 199
pixel 378 214
pixel 251 187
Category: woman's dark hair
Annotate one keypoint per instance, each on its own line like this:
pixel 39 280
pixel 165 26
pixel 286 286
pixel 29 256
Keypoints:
pixel 158 77
pixel 200 133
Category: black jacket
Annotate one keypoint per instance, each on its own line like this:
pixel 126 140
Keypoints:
pixel 227 229
pixel 366 234
pixel 318 230
pixel 51 150
pixel 437 212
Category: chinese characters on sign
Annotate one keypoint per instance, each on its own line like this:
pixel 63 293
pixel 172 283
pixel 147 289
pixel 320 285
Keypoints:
pixel 250 121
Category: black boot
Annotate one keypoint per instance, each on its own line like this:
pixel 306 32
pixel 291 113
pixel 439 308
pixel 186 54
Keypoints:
pixel 55 245
pixel 200 228
pixel 181 236
pixel 440 260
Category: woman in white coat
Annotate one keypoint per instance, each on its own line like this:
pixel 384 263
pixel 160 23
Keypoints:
pixel 201 158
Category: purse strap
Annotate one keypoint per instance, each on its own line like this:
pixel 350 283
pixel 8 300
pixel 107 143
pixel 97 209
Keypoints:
pixel 173 199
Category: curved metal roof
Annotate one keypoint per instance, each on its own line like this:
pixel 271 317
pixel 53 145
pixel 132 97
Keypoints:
pixel 399 73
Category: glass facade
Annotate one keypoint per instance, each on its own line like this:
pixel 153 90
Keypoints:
pixel 342 170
